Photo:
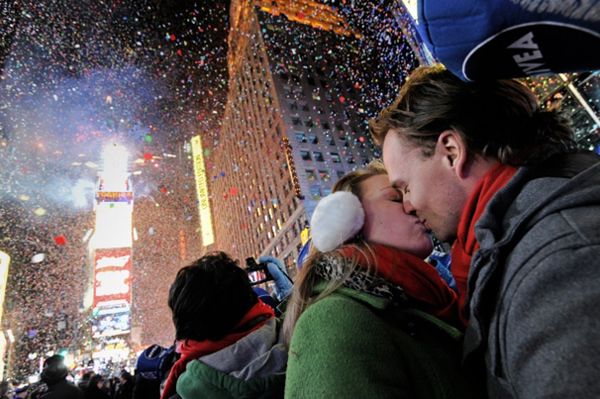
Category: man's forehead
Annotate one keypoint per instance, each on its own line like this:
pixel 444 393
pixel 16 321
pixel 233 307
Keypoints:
pixel 399 158
pixel 395 149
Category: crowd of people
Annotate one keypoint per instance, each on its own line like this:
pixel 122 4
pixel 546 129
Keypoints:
pixel 480 166
pixel 56 382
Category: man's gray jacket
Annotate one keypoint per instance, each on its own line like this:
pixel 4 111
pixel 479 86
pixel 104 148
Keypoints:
pixel 534 285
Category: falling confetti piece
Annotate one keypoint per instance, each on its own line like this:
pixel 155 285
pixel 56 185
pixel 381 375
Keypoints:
pixel 147 156
pixel 60 240
pixel 148 138
pixel 40 211
pixel 38 258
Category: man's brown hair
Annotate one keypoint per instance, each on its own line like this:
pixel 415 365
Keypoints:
pixel 499 119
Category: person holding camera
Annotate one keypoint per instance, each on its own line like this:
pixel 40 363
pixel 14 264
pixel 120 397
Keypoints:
pixel 228 340
pixel 368 318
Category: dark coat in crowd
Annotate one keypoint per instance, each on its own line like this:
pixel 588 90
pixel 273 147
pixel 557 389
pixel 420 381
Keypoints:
pixel 62 390
pixel 125 390
pixel 54 376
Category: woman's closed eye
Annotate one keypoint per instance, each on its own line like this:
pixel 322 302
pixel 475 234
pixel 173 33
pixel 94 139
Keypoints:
pixel 397 196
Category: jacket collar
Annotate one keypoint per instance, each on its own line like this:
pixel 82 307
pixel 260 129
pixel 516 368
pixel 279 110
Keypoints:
pixel 510 213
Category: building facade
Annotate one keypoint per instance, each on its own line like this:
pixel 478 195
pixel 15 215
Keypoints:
pixel 292 125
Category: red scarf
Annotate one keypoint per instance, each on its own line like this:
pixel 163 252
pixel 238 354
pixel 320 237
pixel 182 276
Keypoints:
pixel 466 244
pixel 190 349
pixel 419 279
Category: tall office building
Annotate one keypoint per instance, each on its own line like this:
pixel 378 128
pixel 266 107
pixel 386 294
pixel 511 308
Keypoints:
pixel 293 124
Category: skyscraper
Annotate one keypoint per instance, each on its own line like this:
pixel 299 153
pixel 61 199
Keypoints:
pixel 293 124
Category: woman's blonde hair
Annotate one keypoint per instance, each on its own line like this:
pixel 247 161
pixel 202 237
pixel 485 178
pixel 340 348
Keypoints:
pixel 302 295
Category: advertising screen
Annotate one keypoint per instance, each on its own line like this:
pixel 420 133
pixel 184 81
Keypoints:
pixel 111 319
pixel 202 192
pixel 112 276
pixel 114 196
pixel 4 262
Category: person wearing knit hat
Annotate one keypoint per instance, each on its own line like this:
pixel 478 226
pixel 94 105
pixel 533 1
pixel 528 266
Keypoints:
pixel 228 340
pixel 54 374
pixel 368 318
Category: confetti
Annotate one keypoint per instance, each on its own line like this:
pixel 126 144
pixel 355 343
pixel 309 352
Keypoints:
pixel 60 240
pixel 38 258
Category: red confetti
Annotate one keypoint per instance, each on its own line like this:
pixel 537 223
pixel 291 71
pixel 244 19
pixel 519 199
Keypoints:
pixel 173 37
pixel 342 99
pixel 60 240
pixel 361 139
pixel 179 52
pixel 163 190
pixel 233 191
pixel 147 156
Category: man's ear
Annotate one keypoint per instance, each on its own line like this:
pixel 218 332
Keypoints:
pixel 453 151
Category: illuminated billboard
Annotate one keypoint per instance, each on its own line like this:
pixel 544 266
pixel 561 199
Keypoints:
pixel 112 319
pixel 202 192
pixel 112 276
pixel 114 196
pixel 114 210
pixel 4 262
pixel 113 225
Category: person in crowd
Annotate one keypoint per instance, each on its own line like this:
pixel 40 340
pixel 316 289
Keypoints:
pixel 482 165
pixel 4 389
pixel 111 385
pixel 54 375
pixel 21 392
pixel 152 369
pixel 282 282
pixel 228 340
pixel 125 386
pixel 85 380
pixel 368 318
pixel 95 389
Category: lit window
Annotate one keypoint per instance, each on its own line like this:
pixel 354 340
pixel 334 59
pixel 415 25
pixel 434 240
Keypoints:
pixel 310 175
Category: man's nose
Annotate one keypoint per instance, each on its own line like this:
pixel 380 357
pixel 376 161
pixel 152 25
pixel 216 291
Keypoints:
pixel 408 207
